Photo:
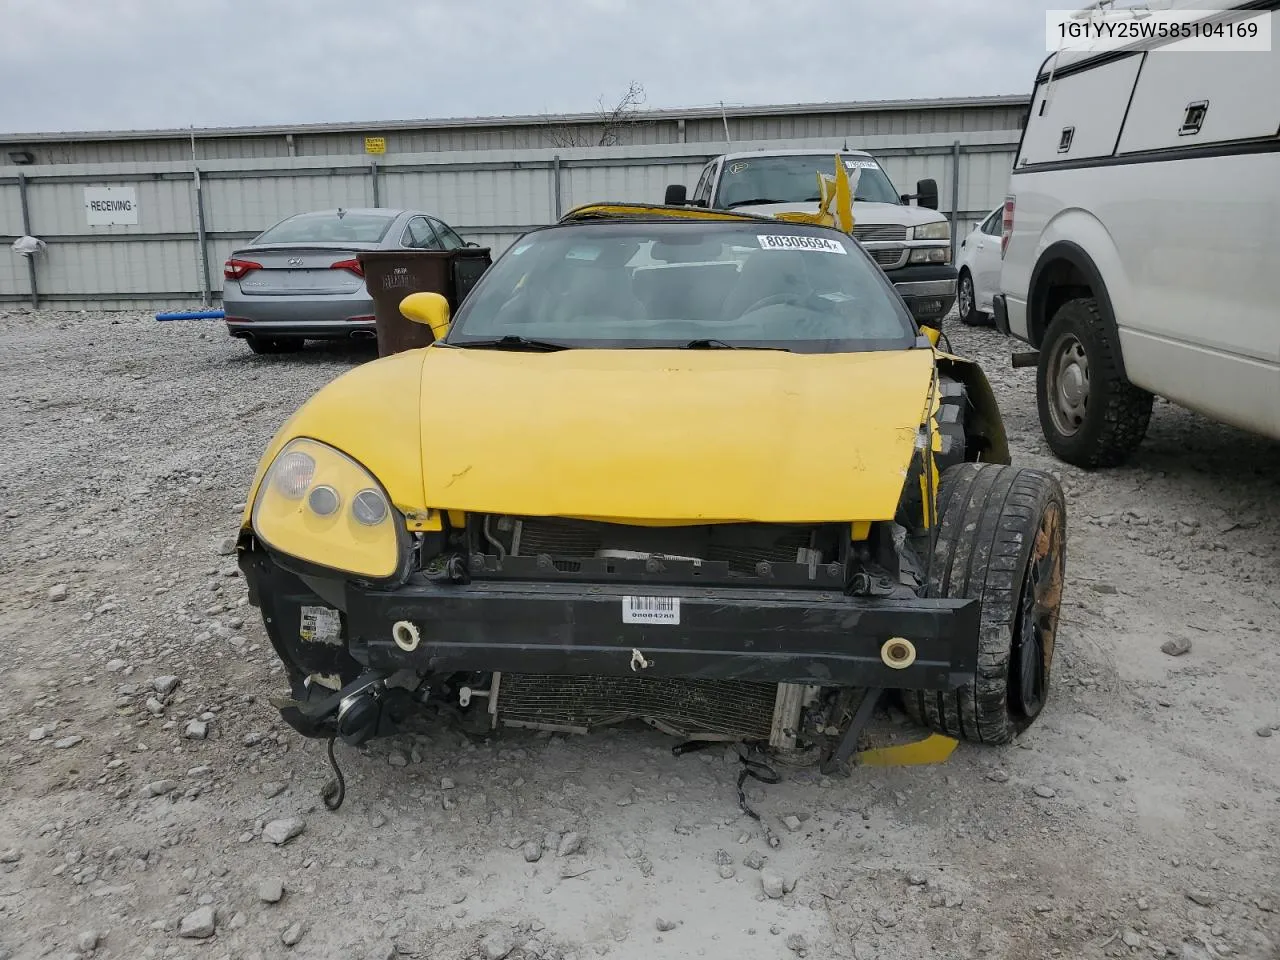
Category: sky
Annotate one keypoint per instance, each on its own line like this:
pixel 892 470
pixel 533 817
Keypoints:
pixel 71 65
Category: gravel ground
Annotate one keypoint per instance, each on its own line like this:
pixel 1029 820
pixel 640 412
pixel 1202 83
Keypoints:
pixel 152 801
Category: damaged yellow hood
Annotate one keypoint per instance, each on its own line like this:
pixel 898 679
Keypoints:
pixel 708 435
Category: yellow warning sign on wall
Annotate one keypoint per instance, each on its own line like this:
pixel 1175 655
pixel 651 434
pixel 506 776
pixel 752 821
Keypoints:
pixel 375 144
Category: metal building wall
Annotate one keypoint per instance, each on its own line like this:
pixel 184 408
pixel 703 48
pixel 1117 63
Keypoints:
pixel 649 127
pixel 488 196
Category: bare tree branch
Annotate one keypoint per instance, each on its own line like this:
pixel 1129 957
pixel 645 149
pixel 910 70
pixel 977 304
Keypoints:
pixel 606 125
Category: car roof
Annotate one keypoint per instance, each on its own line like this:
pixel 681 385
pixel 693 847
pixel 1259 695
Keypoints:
pixel 809 152
pixel 389 212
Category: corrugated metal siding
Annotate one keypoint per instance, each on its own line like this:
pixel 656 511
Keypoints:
pixel 489 197
pixel 531 133
pixel 164 206
pixel 253 203
pixel 157 266
pixel 473 198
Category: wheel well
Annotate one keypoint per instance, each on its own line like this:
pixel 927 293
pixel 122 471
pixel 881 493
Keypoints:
pixel 1059 280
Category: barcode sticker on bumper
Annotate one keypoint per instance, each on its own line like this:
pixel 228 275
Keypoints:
pixel 651 610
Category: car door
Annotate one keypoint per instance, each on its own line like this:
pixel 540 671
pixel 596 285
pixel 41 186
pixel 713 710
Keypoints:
pixel 986 261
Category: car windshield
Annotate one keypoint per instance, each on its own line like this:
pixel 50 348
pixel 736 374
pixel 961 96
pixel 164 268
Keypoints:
pixel 689 283
pixel 794 179
pixel 330 226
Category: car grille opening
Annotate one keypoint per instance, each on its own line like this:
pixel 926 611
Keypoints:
pixel 769 554
pixel 886 256
pixel 879 231
pixel 732 709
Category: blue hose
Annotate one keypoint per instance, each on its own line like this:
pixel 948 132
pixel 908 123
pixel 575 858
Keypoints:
pixel 193 315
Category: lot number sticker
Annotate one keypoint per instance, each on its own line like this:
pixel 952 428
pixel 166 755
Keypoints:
pixel 786 241
pixel 320 625
pixel 651 610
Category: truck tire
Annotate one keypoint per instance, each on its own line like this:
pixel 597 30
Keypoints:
pixel 1090 414
pixel 1001 541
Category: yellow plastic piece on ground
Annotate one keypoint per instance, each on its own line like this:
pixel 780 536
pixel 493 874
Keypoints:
pixel 933 749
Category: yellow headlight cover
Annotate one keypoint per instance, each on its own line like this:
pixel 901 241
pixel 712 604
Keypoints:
pixel 289 522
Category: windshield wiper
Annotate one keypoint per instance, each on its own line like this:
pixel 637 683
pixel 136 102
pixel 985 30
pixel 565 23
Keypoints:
pixel 513 342
pixel 747 203
pixel 707 343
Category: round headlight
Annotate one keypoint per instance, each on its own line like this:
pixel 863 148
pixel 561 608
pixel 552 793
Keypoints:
pixel 324 500
pixel 293 474
pixel 369 508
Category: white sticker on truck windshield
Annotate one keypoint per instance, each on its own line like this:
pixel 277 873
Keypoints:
pixel 651 610
pixel 861 165
pixel 793 241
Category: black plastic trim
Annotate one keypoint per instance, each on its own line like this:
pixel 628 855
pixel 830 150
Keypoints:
pixel 1000 313
pixel 782 636
pixel 914 273
pixel 1076 255
pixel 1201 151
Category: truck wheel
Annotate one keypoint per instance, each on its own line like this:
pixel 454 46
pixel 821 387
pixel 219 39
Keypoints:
pixel 1089 413
pixel 1001 541
pixel 967 301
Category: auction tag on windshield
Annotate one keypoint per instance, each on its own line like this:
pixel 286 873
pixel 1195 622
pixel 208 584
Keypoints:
pixel 859 164
pixel 651 610
pixel 790 241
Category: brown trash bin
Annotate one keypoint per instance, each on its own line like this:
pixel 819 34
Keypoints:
pixel 391 275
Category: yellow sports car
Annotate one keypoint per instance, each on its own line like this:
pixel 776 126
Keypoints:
pixel 695 468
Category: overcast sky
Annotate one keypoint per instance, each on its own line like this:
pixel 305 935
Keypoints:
pixel 128 64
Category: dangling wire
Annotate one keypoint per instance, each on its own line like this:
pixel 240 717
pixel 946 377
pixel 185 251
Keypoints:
pixel 755 769
pixel 335 791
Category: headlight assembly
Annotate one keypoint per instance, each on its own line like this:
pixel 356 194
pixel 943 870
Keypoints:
pixel 317 504
pixel 931 255
pixel 930 231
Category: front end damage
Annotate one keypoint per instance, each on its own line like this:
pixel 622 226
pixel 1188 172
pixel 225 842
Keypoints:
pixel 768 634
pixel 780 634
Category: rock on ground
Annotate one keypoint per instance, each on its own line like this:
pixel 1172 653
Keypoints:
pixel 281 832
pixel 198 924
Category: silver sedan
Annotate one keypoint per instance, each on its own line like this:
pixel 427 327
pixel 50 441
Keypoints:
pixel 300 279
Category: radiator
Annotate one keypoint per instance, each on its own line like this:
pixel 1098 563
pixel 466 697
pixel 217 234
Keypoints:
pixel 730 709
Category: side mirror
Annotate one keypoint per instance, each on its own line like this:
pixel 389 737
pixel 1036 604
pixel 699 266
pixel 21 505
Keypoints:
pixel 927 194
pixel 933 333
pixel 677 195
pixel 427 308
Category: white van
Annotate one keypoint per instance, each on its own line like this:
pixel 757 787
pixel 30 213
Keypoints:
pixel 1141 242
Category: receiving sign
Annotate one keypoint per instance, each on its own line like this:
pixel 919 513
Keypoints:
pixel 104 206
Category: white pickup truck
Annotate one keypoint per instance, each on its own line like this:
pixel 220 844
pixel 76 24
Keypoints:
pixel 912 244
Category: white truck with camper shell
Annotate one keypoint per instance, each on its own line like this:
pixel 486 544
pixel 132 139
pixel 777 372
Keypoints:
pixel 1141 241
pixel 912 244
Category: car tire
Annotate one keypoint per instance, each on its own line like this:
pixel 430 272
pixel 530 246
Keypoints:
pixel 262 345
pixel 967 302
pixel 1001 540
pixel 1090 414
